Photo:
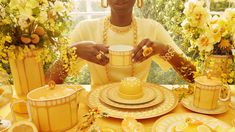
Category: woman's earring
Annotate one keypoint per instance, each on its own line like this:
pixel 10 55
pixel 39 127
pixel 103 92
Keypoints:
pixel 104 4
pixel 140 3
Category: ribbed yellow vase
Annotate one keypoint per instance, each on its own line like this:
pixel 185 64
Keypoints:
pixel 218 65
pixel 27 73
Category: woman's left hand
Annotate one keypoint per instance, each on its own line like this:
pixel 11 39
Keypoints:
pixel 144 50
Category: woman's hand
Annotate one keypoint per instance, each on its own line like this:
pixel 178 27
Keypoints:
pixel 92 52
pixel 145 49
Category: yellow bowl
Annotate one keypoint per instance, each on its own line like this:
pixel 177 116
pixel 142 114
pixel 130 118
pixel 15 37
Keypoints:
pixel 131 86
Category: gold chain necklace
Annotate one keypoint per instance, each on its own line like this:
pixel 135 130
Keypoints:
pixel 108 25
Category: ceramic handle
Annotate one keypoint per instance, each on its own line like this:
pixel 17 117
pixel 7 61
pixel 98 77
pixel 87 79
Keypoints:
pixel 13 113
pixel 228 95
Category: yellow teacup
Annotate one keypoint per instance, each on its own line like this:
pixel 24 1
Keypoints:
pixel 207 92
pixel 120 55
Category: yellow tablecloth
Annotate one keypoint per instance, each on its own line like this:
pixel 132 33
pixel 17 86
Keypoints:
pixel 115 124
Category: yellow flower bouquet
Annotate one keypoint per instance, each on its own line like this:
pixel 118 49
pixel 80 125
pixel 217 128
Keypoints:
pixel 33 33
pixel 212 36
pixel 28 25
pixel 209 33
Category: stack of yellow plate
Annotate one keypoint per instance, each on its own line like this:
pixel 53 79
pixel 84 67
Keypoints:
pixel 153 102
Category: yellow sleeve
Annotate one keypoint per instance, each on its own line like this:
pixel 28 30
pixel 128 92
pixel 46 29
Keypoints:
pixel 78 35
pixel 161 35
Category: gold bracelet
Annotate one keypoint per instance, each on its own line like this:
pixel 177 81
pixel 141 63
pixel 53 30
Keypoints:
pixel 169 54
pixel 185 71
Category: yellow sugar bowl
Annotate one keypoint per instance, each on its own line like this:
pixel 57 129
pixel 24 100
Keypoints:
pixel 53 108
pixel 130 88
pixel 207 92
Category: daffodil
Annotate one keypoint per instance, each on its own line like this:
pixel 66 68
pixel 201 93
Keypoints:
pixel 216 32
pixel 59 6
pixel 224 44
pixel 205 42
pixel 210 33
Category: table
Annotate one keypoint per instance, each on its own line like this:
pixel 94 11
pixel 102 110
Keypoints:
pixel 115 124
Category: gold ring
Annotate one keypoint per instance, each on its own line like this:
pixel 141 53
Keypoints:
pixel 147 51
pixel 99 55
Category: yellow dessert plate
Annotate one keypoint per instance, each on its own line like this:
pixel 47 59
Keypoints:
pixel 166 106
pixel 169 122
pixel 187 102
pixel 149 95
pixel 103 98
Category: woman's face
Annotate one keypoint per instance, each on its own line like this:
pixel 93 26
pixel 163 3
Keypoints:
pixel 121 6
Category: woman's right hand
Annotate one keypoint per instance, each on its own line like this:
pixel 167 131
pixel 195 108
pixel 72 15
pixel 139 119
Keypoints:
pixel 92 52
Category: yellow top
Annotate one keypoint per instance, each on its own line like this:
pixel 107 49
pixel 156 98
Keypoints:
pixel 92 30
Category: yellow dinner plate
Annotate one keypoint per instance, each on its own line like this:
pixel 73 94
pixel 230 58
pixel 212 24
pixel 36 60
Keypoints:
pixel 168 122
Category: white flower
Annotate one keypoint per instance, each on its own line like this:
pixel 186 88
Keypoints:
pixel 15 4
pixel 24 21
pixel 42 17
pixel 190 5
pixel 216 32
pixel 214 19
pixel 32 4
pixel 196 14
pixel 205 42
pixel 26 11
pixel 229 15
pixel 2 12
pixel 59 6
pixel 185 23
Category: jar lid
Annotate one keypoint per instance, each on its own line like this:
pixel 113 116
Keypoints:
pixel 204 80
pixel 47 93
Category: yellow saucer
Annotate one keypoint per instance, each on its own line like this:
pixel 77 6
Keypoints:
pixel 188 103
pixel 149 95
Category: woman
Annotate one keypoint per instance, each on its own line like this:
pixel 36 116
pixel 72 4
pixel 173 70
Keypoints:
pixel 150 39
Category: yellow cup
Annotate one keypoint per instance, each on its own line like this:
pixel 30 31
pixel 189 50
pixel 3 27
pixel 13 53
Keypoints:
pixel 207 92
pixel 120 55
